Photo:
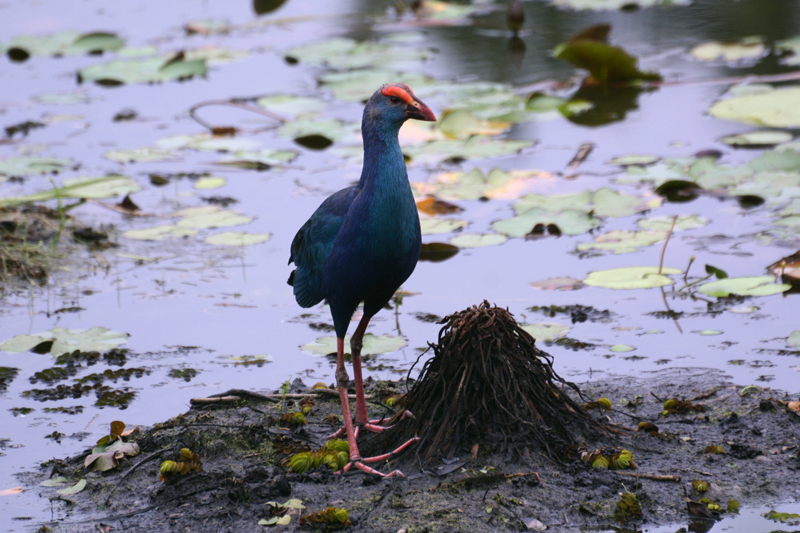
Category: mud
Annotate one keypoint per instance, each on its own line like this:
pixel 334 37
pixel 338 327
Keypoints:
pixel 240 470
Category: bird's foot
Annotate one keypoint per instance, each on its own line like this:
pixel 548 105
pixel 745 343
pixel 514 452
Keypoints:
pixel 371 425
pixel 361 463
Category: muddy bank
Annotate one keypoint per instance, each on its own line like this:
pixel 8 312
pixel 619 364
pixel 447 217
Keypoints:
pixel 240 470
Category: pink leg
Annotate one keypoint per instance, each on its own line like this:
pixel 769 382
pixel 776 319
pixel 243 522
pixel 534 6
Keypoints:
pixel 342 381
pixel 356 342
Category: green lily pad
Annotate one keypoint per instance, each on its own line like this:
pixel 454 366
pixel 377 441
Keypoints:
pixel 746 286
pixel 708 332
pixel 159 233
pixel 683 223
pixel 546 331
pixel 259 160
pixel 61 44
pixel 237 238
pixel 794 339
pixel 343 54
pixel 792 49
pixel 334 130
pixel 476 147
pixel 210 217
pixel 604 62
pixel 779 108
pixel 462 124
pixel 292 106
pixel 639 160
pixel 602 203
pixel 757 139
pixel 209 183
pixel 82 187
pixel 139 155
pixel 58 481
pixel 623 241
pixel 744 309
pixel 622 348
pixel 748 49
pixel 358 85
pixel 477 240
pixel 570 222
pixel 474 184
pixel 631 278
pixel 27 166
pixel 372 345
pixel 144 70
pixel 435 226
pixel 206 142
pixel 558 284
pixel 77 97
pixel 75 489
pixel 67 340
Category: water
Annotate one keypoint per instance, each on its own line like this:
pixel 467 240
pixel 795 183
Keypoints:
pixel 234 302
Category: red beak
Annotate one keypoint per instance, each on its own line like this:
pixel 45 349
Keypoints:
pixel 419 111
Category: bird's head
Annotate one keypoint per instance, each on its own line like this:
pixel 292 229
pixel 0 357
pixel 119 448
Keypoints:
pixel 395 104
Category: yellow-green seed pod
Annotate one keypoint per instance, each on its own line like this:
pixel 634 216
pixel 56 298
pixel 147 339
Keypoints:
pixel 669 404
pixel 700 486
pixel 168 467
pixel 297 418
pixel 600 462
pixel 391 401
pixel 331 460
pixel 186 454
pixel 338 445
pixel 342 515
pixel 605 402
pixel 316 457
pixel 301 462
pixel 306 410
pixel 344 458
pixel 733 506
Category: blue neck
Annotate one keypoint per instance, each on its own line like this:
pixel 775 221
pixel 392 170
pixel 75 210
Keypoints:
pixel 382 155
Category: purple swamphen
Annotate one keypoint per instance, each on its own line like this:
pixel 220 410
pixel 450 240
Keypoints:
pixel 362 243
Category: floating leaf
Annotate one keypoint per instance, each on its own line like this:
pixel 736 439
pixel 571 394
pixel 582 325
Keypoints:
pixel 61 44
pixel 209 183
pixel 708 332
pixel 598 5
pixel 67 340
pixel 27 166
pixel 139 155
pixel 779 108
pixel 475 184
pixel 746 286
pixel 437 251
pixel 358 85
pixel 758 139
pixel 210 217
pixel 341 53
pixel 475 240
pixel 546 331
pixel 683 223
pixel 289 105
pixel 623 241
pixel 631 278
pixel 639 160
pixel 794 339
pixel 159 233
pixel 435 226
pixel 372 345
pixel 558 284
pixel 146 70
pixel 621 348
pixel 746 50
pixel 569 222
pixel 462 124
pixel 82 187
pixel 237 238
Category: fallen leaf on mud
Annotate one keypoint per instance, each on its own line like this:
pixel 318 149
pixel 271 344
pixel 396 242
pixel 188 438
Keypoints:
pixel 75 489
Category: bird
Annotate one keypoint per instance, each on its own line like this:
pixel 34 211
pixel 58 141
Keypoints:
pixel 362 243
pixel 515 16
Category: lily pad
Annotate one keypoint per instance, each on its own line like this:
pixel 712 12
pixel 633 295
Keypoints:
pixel 746 286
pixel 570 222
pixel 622 348
pixel 342 54
pixel 27 166
pixel 748 50
pixel 546 331
pixel 794 339
pixel 708 332
pixel 476 147
pixel 758 139
pixel 159 233
pixel 373 345
pixel 237 238
pixel 358 85
pixel 474 185
pixel 607 5
pixel 61 44
pixel 259 160
pixel 558 284
pixel 477 240
pixel 67 340
pixel 779 108
pixel 144 70
pixel 139 155
pixel 209 183
pixel 602 203
pixel 631 278
pixel 292 106
pixel 683 223
pixel 792 49
pixel 76 97
pixel 435 226
pixel 639 160
pixel 210 217
pixel 82 187
pixel 623 241
pixel 334 130
pixel 462 124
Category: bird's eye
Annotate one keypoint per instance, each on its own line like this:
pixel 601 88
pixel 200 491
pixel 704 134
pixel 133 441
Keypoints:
pixel 394 100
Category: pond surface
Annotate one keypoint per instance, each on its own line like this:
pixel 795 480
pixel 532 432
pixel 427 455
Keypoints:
pixel 189 304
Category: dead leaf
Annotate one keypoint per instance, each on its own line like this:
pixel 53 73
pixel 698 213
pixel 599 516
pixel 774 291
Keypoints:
pixel 9 492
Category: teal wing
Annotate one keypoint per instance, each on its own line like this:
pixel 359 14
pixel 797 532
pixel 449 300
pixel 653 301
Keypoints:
pixel 313 244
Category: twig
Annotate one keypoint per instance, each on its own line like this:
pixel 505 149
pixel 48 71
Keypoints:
pixel 274 398
pixel 115 207
pixel 654 477
pixel 246 107
pixel 664 250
